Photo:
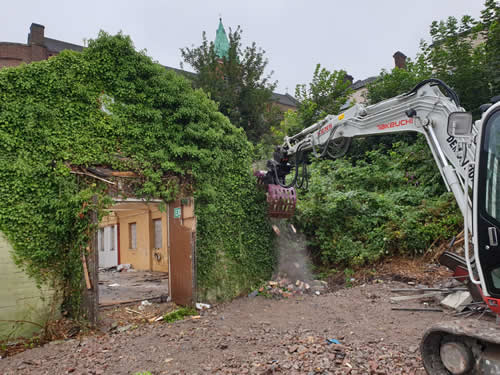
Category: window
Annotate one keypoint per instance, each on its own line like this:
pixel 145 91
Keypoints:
pixel 158 233
pixel 112 238
pixel 492 196
pixel 132 231
pixel 100 239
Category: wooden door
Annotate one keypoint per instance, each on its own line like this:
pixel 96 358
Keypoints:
pixel 181 254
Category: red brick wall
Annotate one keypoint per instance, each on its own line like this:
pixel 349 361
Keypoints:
pixel 12 54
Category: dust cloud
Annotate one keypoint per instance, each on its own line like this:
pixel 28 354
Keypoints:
pixel 293 261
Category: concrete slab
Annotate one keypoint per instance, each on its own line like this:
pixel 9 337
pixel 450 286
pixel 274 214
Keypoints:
pixel 457 301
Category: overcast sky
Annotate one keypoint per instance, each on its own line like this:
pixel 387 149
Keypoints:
pixel 359 36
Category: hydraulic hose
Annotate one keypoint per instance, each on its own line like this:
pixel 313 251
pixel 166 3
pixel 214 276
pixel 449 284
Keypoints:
pixel 453 95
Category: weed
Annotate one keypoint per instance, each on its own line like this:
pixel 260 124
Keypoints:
pixel 179 314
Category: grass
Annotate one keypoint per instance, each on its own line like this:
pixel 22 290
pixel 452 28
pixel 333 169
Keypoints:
pixel 179 314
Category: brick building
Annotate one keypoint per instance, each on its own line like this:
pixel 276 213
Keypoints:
pixel 38 47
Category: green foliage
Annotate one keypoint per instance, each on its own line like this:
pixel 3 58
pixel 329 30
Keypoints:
pixel 454 59
pixel 237 82
pixel 179 314
pixel 397 81
pixel 326 94
pixel 172 136
pixel 490 18
pixel 401 208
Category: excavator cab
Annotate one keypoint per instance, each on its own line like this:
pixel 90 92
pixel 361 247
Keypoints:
pixel 465 347
pixel 487 212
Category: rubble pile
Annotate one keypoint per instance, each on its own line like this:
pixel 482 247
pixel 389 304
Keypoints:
pixel 314 354
pixel 284 287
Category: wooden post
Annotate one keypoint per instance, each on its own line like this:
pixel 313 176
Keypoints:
pixel 90 282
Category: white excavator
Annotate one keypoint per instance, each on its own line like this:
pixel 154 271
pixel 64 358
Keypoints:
pixel 467 154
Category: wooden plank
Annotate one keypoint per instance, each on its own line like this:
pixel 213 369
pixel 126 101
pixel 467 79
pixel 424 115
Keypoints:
pixel 86 272
pixel 423 290
pixel 124 174
pixel 418 296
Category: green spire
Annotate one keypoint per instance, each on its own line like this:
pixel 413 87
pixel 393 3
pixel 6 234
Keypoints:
pixel 221 41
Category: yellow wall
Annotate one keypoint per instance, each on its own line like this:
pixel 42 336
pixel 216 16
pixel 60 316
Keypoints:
pixel 145 256
pixel 142 214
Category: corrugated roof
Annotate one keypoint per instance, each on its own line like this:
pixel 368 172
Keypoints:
pixel 180 71
pixel 285 99
pixel 362 83
pixel 55 45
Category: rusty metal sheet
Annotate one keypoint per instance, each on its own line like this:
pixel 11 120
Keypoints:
pixel 181 257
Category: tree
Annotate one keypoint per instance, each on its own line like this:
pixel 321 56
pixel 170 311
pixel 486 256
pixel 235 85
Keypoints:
pixel 397 81
pixel 235 78
pixel 490 19
pixel 454 58
pixel 326 94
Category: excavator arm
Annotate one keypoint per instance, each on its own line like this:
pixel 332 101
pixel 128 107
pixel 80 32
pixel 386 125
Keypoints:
pixel 467 155
pixel 424 110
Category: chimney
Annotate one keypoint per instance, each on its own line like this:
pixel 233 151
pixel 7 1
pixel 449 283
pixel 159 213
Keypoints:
pixel 399 60
pixel 36 35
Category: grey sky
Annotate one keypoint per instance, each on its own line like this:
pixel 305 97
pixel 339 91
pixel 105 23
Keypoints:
pixel 358 36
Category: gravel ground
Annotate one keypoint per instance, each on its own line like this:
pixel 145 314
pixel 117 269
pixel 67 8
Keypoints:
pixel 253 336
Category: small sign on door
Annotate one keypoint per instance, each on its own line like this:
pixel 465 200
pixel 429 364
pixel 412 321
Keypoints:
pixel 177 213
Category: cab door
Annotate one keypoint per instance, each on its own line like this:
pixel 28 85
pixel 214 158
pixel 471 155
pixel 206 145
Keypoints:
pixel 488 203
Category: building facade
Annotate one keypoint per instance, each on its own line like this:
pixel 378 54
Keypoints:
pixel 37 48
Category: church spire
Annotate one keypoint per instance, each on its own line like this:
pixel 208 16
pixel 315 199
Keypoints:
pixel 221 41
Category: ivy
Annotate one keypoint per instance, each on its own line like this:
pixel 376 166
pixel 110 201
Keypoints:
pixel 401 209
pixel 155 124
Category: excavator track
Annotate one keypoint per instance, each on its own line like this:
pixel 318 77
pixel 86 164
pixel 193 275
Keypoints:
pixel 461 347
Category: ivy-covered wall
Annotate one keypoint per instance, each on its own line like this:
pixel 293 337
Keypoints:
pixel 154 124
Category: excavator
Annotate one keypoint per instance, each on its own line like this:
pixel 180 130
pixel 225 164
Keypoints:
pixel 467 154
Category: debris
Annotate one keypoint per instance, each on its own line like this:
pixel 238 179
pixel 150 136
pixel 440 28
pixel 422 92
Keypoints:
pixel 418 296
pixel 132 311
pixel 276 230
pixel 146 303
pixel 317 293
pixel 457 301
pixel 253 294
pixel 122 267
pixel 155 319
pixel 202 306
pixel 124 328
pixel 293 228
pixel 423 290
pixel 333 341
pixel 416 309
pixel 113 285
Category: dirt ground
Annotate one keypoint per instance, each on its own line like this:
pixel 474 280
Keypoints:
pixel 255 336
pixel 116 287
